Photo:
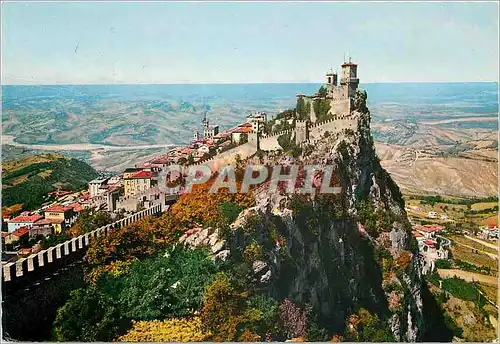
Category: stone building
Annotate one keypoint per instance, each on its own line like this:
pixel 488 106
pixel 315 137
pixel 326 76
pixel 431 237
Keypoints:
pixel 60 217
pixel 340 96
pixel 95 184
pixel 301 132
pixel 138 182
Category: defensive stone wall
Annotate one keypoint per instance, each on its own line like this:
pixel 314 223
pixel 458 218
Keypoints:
pixel 244 151
pixel 335 125
pixel 44 261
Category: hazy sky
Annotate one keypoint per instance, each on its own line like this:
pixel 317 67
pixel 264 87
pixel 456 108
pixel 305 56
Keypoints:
pixel 123 42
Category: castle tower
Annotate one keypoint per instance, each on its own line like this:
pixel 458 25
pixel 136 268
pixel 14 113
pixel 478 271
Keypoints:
pixel 331 79
pixel 254 135
pixel 301 132
pixel 196 135
pixel 349 77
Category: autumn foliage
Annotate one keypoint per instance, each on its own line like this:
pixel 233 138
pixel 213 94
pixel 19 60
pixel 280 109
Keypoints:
pixel 404 259
pixel 202 207
pixel 171 330
pixel 221 314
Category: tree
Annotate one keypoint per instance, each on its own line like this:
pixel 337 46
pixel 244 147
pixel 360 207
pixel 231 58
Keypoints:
pixel 88 221
pixel 166 286
pixel 221 314
pixel 301 108
pixel 88 316
pixel 293 320
pixel 200 206
pixel 265 319
pixel 169 285
pixel 230 211
pixel 321 109
pixel 365 327
pixel 243 139
pixel 322 91
pixel 171 330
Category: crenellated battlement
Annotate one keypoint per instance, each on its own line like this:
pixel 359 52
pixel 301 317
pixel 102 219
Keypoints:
pixel 57 256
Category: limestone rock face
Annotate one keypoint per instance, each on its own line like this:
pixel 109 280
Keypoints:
pixel 321 250
pixel 328 260
pixel 198 237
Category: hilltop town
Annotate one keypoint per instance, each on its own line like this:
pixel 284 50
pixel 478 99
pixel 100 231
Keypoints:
pixel 332 125
pixel 334 108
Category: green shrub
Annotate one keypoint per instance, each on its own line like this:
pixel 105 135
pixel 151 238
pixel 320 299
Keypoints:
pixel 463 290
pixel 443 264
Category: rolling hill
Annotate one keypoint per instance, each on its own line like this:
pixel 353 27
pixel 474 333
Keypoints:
pixel 27 181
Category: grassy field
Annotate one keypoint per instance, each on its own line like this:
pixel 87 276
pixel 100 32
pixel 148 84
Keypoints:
pixel 490 290
pixel 463 240
pixel 468 276
pixel 480 259
pixel 460 213
pixel 474 322
pixel 483 206
pixel 13 165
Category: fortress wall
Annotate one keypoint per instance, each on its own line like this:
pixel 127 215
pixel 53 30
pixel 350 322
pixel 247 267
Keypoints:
pixel 339 100
pixel 312 114
pixel 225 158
pixel 56 255
pixel 270 143
pixel 340 106
pixel 334 126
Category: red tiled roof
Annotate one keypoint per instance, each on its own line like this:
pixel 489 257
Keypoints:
pixel 429 243
pixel 245 125
pixel 4 234
pixel 76 207
pixel 429 228
pixel 222 135
pixel 58 209
pixel 243 130
pixel 142 175
pixel 186 150
pixel 349 64
pixel 160 160
pixel 113 188
pixel 24 251
pixel 21 231
pixel 26 218
pixel 48 221
pixel 60 192
pixel 417 234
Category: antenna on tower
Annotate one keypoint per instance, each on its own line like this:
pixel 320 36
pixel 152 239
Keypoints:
pixel 344 57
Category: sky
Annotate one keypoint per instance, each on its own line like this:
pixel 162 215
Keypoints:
pixel 181 42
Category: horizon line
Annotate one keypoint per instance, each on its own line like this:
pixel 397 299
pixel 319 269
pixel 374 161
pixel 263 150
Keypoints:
pixel 250 83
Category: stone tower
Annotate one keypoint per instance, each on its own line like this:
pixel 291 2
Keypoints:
pixel 301 132
pixel 349 78
pixel 331 79
pixel 254 135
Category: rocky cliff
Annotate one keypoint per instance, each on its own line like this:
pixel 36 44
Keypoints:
pixel 333 253
pixel 336 253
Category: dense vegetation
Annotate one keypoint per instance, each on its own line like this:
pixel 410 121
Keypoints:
pixel 89 220
pixel 141 285
pixel 288 144
pixel 31 181
pixel 433 199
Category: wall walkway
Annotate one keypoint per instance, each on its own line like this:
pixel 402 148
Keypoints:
pixel 55 257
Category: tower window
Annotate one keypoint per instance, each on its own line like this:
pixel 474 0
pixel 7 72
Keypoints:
pixel 329 79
